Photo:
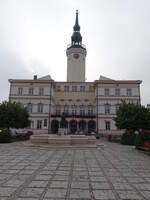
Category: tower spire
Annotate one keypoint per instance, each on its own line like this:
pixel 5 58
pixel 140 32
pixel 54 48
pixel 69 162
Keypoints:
pixel 76 26
pixel 76 37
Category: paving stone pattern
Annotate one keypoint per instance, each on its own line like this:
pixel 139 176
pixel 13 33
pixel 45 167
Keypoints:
pixel 115 172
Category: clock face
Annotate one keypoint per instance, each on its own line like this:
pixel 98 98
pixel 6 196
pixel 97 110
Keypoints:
pixel 76 55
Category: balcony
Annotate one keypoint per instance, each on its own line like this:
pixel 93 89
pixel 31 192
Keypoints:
pixel 68 115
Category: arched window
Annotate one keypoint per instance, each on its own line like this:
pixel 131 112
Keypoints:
pixel 29 107
pixel 40 107
pixel 107 108
pixel 82 110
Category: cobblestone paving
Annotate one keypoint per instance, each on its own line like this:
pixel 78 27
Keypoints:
pixel 113 173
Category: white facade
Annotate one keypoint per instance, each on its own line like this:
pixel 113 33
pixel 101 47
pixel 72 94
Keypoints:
pixel 109 95
pixel 76 64
pixel 35 95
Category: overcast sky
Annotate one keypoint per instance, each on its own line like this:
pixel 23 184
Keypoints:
pixel 34 35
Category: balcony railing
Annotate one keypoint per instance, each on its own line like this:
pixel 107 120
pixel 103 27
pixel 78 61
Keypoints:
pixel 74 115
pixel 77 46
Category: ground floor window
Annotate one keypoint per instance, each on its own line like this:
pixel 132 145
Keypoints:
pixel 39 124
pixel 32 124
pixel 107 125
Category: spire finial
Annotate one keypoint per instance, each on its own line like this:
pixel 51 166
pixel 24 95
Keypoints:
pixel 76 26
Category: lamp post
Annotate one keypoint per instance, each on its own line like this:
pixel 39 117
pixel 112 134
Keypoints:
pixel 49 114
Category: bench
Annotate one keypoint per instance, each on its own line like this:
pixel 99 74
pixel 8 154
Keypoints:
pixel 146 146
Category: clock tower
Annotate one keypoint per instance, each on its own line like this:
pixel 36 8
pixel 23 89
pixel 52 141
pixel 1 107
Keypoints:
pixel 76 53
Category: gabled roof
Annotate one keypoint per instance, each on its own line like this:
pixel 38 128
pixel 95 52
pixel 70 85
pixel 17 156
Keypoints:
pixel 104 78
pixel 47 77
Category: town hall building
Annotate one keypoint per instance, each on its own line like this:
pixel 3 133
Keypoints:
pixel 87 106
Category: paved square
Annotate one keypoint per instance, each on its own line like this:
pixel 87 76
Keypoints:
pixel 115 172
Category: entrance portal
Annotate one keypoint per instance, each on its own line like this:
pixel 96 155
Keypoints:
pixel 91 126
pixel 82 125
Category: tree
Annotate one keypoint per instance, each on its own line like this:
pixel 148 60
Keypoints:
pixel 132 117
pixel 13 115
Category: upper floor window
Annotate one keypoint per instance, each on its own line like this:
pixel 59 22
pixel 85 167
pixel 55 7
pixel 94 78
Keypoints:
pixel 39 124
pixel 74 109
pixel 90 88
pixel 107 125
pixel 107 108
pixel 20 91
pixel 129 92
pixel 40 107
pixel 66 109
pixel 41 91
pixel 117 92
pixel 82 88
pixel 117 107
pixel 58 88
pixel 66 88
pixel 30 91
pixel 45 122
pixel 29 107
pixel 58 110
pixel 82 110
pixel 106 92
pixel 74 88
pixel 90 110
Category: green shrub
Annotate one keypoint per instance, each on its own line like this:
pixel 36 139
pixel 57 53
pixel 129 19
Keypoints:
pixel 128 138
pixel 140 139
pixel 5 136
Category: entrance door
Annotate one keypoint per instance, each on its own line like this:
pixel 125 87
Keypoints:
pixel 73 126
pixel 54 126
pixel 82 125
pixel 91 126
